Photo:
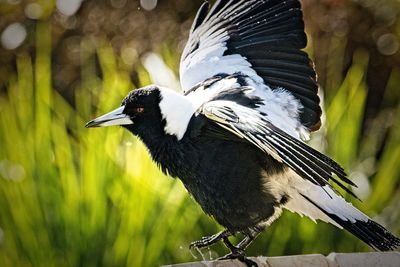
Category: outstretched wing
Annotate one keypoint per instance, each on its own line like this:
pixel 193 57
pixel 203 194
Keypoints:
pixel 258 38
pixel 249 124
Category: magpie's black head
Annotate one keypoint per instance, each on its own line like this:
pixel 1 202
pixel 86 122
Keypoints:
pixel 139 113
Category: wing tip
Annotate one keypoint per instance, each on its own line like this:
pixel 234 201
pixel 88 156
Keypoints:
pixel 367 230
pixel 201 15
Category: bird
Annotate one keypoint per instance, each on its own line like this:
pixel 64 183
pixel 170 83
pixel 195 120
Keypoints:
pixel 236 135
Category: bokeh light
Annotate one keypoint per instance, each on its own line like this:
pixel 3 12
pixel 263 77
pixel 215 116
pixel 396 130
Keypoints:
pixel 388 44
pixel 13 36
pixel 68 7
pixel 148 4
pixel 33 10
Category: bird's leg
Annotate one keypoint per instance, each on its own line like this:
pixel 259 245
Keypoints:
pixel 237 252
pixel 250 235
pixel 210 240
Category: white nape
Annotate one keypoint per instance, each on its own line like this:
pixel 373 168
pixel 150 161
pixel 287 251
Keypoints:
pixel 177 111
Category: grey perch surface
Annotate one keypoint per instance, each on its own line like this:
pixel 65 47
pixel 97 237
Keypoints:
pixel 373 259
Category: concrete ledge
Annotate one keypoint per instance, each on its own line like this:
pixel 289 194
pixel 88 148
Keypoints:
pixel 374 259
pixel 384 259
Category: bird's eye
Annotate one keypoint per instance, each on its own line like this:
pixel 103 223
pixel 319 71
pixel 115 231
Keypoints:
pixel 138 110
pixel 134 110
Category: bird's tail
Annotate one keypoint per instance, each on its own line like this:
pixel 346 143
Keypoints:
pixel 363 227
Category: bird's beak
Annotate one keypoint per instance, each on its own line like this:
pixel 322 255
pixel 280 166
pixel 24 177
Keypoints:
pixel 115 117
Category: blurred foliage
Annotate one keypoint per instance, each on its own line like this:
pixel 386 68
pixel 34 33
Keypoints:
pixel 70 196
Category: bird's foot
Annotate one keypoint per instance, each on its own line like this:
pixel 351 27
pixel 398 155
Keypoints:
pixel 237 252
pixel 241 257
pixel 208 240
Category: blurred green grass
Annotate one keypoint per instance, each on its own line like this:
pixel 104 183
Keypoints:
pixel 70 196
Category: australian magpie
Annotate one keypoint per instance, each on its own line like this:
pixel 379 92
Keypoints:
pixel 235 136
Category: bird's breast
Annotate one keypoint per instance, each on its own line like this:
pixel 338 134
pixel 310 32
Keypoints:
pixel 226 179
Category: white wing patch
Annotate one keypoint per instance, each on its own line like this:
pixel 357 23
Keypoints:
pixel 281 107
pixel 197 68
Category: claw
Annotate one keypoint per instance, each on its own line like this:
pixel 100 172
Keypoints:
pixel 237 252
pixel 197 244
pixel 208 240
pixel 241 257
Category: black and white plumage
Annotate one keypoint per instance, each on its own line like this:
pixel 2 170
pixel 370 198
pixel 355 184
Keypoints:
pixel 234 137
pixel 260 39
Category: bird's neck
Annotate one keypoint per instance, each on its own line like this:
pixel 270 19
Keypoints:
pixel 166 151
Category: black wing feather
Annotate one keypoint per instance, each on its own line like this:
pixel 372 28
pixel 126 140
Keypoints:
pixel 201 15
